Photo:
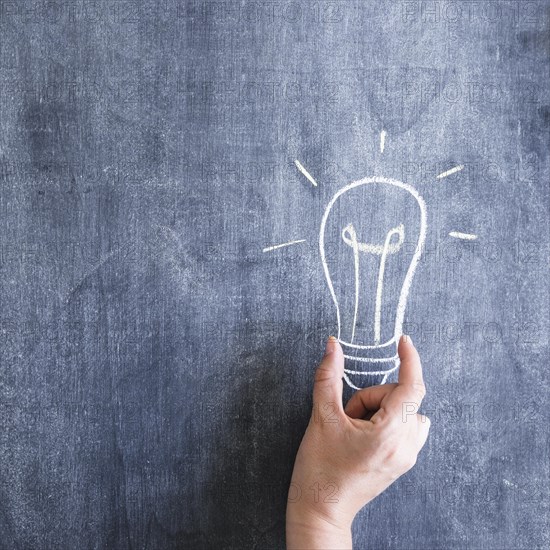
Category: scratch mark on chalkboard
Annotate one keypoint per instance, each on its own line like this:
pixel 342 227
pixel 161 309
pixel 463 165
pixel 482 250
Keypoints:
pixel 305 172
pixel 512 485
pixel 275 247
pixel 383 135
pixel 450 172
pixel 160 246
pixel 458 235
pixel 169 231
pixel 88 273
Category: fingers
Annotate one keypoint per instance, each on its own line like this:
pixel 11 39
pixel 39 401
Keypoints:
pixel 423 429
pixel 410 389
pixel 367 400
pixel 410 369
pixel 328 385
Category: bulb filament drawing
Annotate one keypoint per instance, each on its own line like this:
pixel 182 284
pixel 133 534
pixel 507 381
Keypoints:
pixel 375 350
pixel 350 237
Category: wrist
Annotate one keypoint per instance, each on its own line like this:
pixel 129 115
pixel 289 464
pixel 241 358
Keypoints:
pixel 307 516
pixel 313 527
pixel 319 500
pixel 309 529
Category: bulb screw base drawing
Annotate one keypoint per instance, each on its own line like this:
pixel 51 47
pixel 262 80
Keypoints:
pixel 369 365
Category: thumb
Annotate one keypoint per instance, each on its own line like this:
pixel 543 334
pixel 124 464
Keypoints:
pixel 328 386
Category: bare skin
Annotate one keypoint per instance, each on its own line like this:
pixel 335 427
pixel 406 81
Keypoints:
pixel 350 455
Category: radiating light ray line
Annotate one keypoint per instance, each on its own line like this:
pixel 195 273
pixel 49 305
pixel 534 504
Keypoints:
pixel 305 172
pixel 466 236
pixel 450 172
pixel 383 135
pixel 275 247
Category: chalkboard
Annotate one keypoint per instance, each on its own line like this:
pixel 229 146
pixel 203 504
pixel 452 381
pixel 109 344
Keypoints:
pixel 158 342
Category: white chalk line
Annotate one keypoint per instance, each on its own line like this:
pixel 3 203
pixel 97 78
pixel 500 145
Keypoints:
pixel 305 172
pixel 377 249
pixel 383 135
pixel 377 346
pixel 349 382
pixel 450 172
pixel 400 231
pixel 275 247
pixel 467 236
pixel 371 360
pixel 374 373
pixel 353 240
pixel 383 251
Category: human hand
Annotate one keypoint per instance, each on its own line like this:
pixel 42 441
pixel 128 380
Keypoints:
pixel 350 455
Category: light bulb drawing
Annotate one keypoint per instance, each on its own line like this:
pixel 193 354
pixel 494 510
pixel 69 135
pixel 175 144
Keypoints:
pixel 365 239
pixel 392 244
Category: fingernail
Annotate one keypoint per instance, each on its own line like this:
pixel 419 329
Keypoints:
pixel 408 338
pixel 331 344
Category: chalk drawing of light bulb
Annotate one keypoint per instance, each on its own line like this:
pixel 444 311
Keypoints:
pixel 371 238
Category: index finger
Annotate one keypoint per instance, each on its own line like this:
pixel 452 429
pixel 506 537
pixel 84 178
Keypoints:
pixel 410 387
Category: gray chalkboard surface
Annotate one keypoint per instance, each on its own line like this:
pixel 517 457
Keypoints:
pixel 157 349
